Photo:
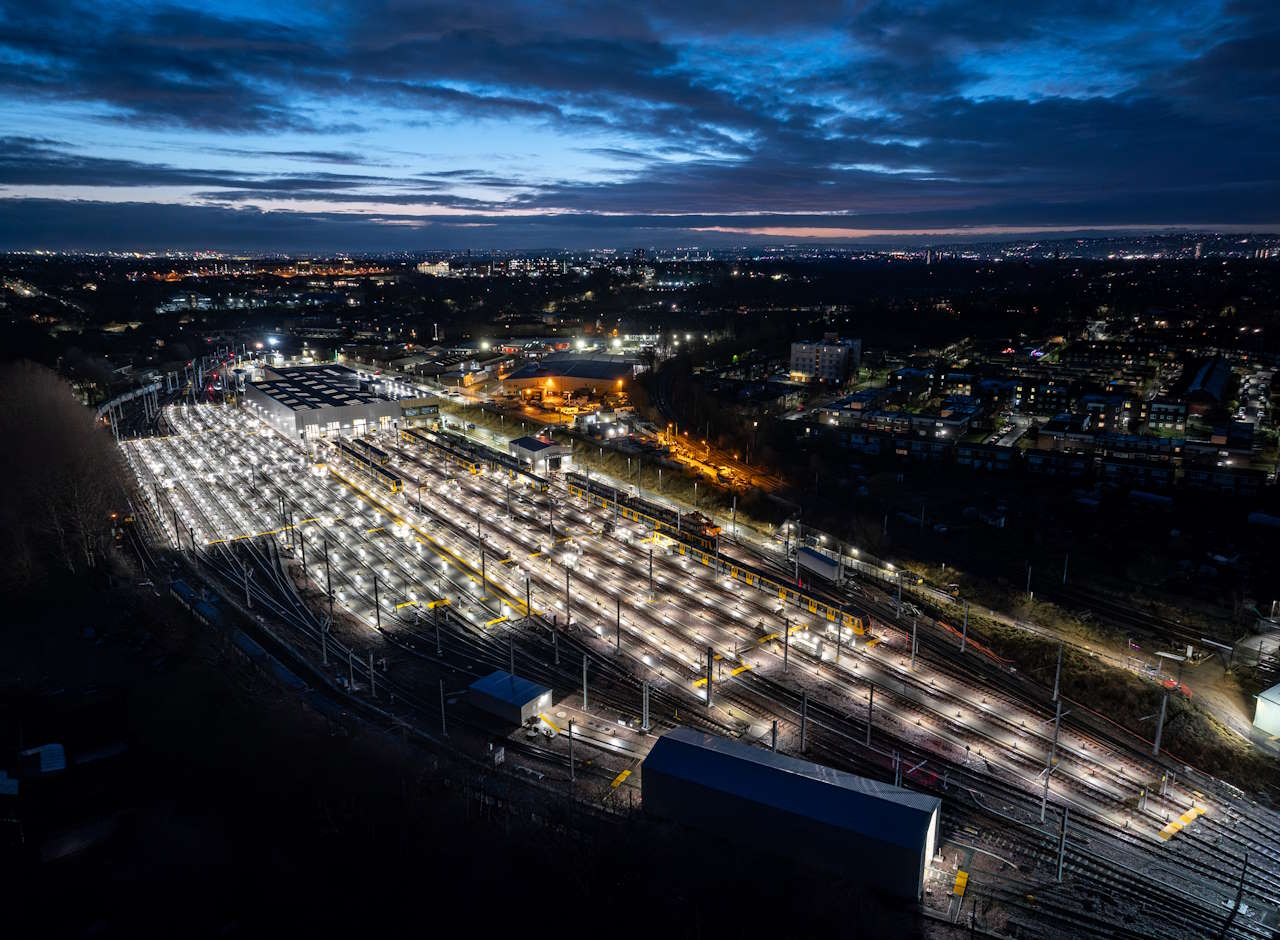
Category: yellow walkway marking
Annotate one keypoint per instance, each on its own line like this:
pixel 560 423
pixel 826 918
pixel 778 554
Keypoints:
pixel 1177 825
pixel 551 724
pixel 620 779
pixel 406 604
pixel 740 670
pixel 424 536
pixel 962 882
pixel 255 535
pixel 495 621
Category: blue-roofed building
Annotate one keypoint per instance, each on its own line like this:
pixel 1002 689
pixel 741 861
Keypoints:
pixel 794 807
pixel 510 697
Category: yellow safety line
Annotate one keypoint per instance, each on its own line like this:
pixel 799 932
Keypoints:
pixel 255 535
pixel 962 882
pixel 406 604
pixel 495 621
pixel 741 669
pixel 550 723
pixel 618 780
pixel 439 549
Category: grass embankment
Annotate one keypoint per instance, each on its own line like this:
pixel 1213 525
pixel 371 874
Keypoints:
pixel 1191 733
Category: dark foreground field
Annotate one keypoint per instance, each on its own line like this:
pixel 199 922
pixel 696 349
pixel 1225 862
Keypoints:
pixel 236 811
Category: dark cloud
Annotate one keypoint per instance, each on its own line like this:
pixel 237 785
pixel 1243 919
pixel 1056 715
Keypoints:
pixel 42 162
pixel 883 112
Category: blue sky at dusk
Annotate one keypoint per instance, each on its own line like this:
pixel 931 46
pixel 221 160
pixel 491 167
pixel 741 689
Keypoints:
pixel 375 124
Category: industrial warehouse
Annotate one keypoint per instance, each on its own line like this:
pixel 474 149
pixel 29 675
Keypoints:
pixel 311 402
pixel 794 807
pixel 560 374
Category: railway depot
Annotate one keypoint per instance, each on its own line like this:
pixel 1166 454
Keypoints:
pixel 423 540
pixel 312 402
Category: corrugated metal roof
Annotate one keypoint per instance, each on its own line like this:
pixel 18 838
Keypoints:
pixel 50 757
pixel 575 368
pixel 532 444
pixel 508 688
pixel 824 794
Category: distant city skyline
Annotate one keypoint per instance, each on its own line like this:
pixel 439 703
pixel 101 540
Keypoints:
pixel 403 126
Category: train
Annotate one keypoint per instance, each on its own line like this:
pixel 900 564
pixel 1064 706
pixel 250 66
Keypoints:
pixel 211 614
pixel 376 454
pixel 388 479
pixel 473 456
pixel 206 611
pixel 807 597
pixel 449 454
pixel 692 528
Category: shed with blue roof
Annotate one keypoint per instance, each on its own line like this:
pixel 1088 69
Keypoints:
pixel 794 807
pixel 510 697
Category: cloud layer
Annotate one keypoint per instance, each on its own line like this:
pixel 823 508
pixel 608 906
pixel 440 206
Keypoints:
pixel 397 124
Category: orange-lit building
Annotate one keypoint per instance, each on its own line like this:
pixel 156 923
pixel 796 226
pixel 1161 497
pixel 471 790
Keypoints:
pixel 555 376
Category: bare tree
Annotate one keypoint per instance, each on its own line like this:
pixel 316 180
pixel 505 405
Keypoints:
pixel 60 473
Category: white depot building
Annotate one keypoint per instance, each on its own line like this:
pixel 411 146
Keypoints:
pixel 1266 714
pixel 309 402
pixel 830 361
pixel 541 455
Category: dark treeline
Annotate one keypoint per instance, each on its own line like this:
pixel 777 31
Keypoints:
pixel 61 479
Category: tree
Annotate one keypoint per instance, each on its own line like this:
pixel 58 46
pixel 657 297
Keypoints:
pixel 61 475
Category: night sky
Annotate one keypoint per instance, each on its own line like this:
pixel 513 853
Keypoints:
pixel 371 124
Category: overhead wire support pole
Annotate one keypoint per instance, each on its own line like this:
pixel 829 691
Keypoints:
pixel 964 632
pixel 871 699
pixel 710 656
pixel 1057 674
pixel 1053 753
pixel 1164 704
pixel 1062 841
pixel 915 622
pixel 328 584
pixel 804 722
